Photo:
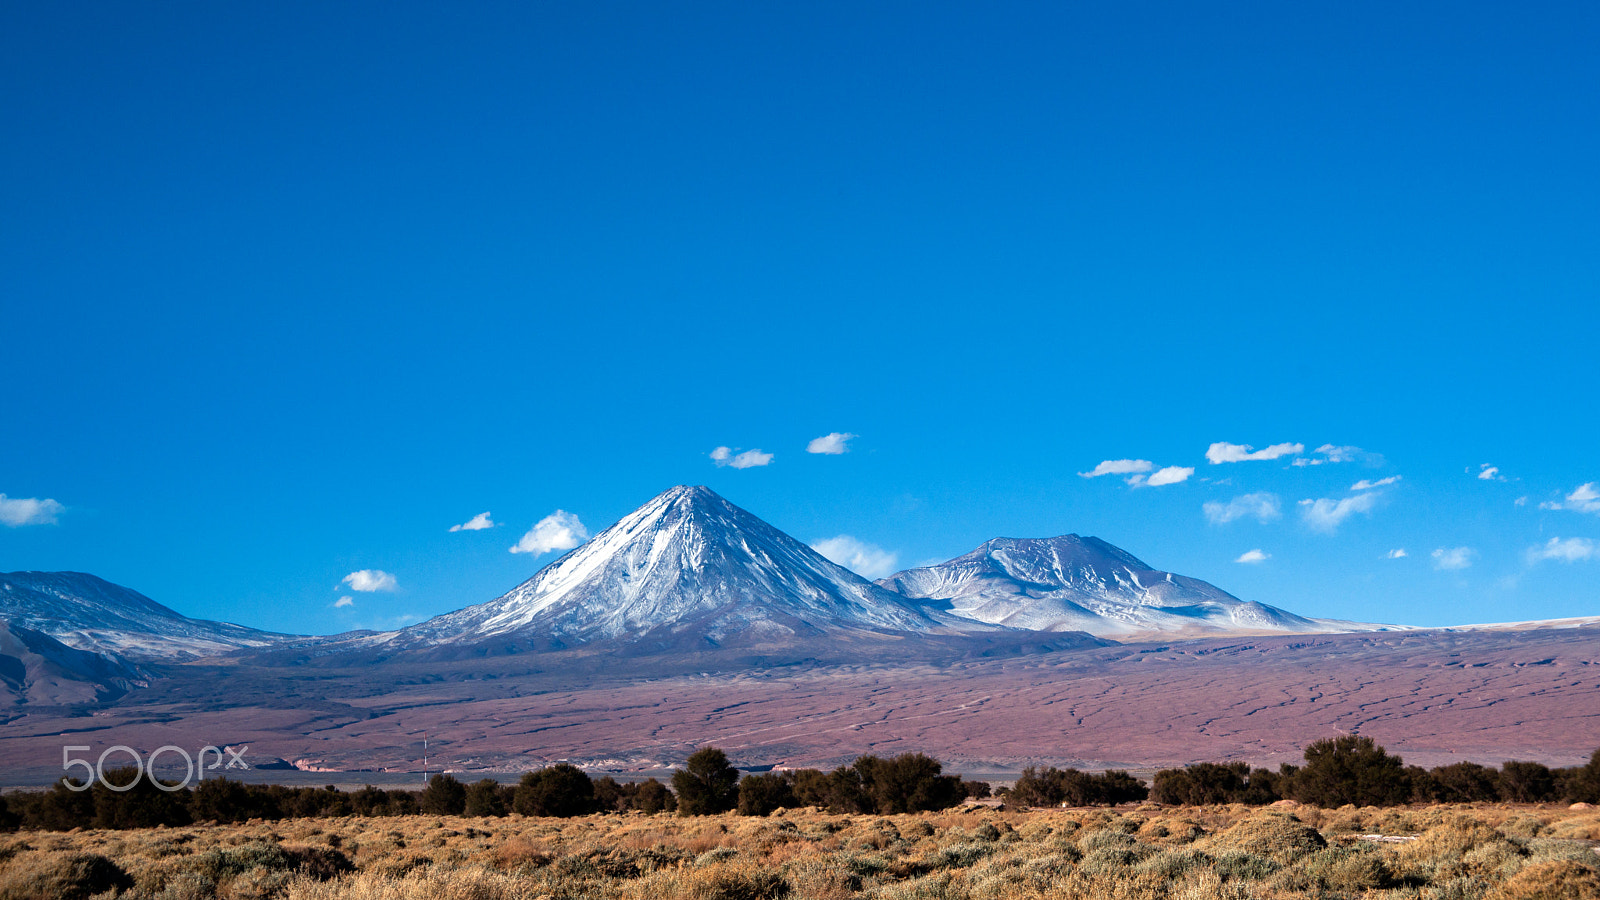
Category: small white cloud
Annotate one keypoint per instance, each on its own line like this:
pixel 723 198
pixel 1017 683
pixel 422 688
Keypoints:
pixel 1119 467
pixel 18 511
pixel 860 557
pixel 369 580
pixel 1365 485
pixel 1261 506
pixel 1335 454
pixel 1397 553
pixel 344 601
pixel 1584 499
pixel 1520 501
pixel 1250 557
pixel 749 459
pixel 1489 473
pixel 560 530
pixel 477 523
pixel 1169 475
pixel 1569 551
pixel 1223 452
pixel 1326 515
pixel 832 444
pixel 1453 558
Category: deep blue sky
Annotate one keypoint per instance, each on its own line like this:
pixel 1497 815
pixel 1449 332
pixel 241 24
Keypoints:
pixel 286 292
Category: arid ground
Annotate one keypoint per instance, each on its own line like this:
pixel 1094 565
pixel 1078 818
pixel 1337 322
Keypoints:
pixel 1434 697
pixel 1145 853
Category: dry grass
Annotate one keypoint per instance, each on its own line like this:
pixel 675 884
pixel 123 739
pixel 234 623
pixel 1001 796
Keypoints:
pixel 1149 853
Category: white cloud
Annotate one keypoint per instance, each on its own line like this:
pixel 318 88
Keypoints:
pixel 1253 556
pixel 369 580
pixel 749 459
pixel 344 601
pixel 1397 553
pixel 832 444
pixel 477 523
pixel 18 511
pixel 1569 551
pixel 1327 514
pixel 1489 473
pixel 1169 475
pixel 1335 454
pixel 1365 485
pixel 1223 452
pixel 1584 499
pixel 1520 501
pixel 560 530
pixel 1453 558
pixel 1261 506
pixel 1119 467
pixel 860 557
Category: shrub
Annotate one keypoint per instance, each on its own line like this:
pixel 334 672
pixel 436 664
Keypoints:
pixel 910 782
pixel 707 783
pixel 486 798
pixel 759 795
pixel 1527 782
pixel 1463 782
pixel 61 876
pixel 561 790
pixel 1350 769
pixel 1070 787
pixel 1278 837
pixel 444 796
pixel 1553 880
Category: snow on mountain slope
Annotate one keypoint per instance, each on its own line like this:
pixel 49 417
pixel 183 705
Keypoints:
pixel 93 614
pixel 686 566
pixel 1073 583
pixel 38 670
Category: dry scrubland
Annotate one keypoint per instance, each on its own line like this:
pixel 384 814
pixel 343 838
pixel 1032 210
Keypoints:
pixel 1459 853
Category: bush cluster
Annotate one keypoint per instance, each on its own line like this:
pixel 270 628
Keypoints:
pixel 1355 770
pixel 1070 787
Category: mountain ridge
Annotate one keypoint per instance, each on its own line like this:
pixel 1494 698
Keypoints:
pixel 1077 583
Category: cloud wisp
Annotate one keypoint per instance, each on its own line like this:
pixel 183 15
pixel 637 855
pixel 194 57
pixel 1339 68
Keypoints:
pixel 749 459
pixel 477 523
pixel 560 530
pixel 1585 498
pixel 343 602
pixel 1169 475
pixel 1397 553
pixel 1330 453
pixel 16 512
pixel 1253 557
pixel 1326 514
pixel 1569 550
pixel 1119 467
pixel 1224 452
pixel 831 444
pixel 1453 559
pixel 1262 506
pixel 1365 485
pixel 1487 472
pixel 860 557
pixel 370 580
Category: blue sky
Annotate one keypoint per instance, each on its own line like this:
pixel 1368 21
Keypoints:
pixel 288 292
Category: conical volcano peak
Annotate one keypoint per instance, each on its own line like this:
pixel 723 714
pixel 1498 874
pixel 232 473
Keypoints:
pixel 687 566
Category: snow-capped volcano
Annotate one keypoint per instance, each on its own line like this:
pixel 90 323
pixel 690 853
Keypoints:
pixel 687 568
pixel 1073 583
pixel 93 614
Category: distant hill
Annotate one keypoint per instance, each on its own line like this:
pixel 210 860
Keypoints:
pixel 93 614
